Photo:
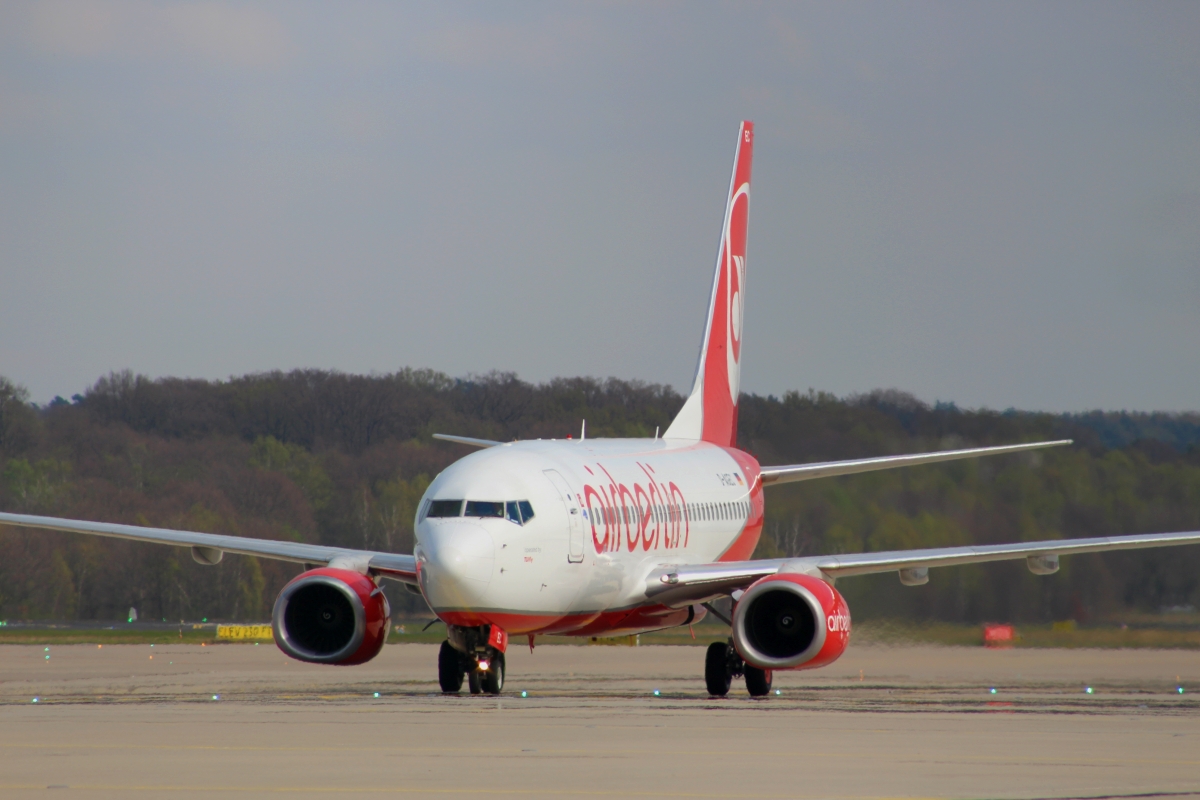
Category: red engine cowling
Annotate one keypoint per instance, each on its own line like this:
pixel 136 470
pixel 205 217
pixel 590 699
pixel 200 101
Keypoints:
pixel 331 616
pixel 791 621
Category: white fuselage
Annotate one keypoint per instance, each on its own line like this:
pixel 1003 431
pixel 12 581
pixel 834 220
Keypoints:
pixel 606 512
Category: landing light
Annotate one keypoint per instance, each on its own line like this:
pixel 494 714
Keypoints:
pixel 483 665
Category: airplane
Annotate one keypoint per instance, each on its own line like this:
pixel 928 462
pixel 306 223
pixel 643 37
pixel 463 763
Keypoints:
pixel 606 537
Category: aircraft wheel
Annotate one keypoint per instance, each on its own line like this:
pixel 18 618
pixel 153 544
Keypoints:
pixel 450 671
pixel 474 681
pixel 716 669
pixel 758 681
pixel 493 679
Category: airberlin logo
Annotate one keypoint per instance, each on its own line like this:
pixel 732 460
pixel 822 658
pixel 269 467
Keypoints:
pixel 651 515
pixel 735 282
pixel 838 623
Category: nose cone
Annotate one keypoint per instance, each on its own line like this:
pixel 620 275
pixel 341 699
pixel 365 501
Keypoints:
pixel 459 558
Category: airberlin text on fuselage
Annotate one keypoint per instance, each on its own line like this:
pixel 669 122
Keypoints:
pixel 651 515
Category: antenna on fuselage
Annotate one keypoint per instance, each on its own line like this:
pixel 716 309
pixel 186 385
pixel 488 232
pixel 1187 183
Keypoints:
pixel 583 431
pixel 655 431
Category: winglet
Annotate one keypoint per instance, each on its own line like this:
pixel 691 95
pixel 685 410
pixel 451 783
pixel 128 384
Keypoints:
pixel 710 412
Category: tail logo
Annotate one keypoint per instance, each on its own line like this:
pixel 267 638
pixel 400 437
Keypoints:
pixel 735 281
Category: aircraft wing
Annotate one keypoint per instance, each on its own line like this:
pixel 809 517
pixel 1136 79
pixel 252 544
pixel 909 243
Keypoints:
pixel 693 583
pixel 829 469
pixel 207 548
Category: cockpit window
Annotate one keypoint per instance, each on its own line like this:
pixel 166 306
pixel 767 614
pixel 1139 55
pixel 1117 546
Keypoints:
pixel 518 511
pixel 484 508
pixel 445 508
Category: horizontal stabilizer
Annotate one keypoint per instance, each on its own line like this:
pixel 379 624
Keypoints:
pixel 467 440
pixel 830 469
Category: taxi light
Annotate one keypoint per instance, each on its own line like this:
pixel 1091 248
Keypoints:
pixel 483 665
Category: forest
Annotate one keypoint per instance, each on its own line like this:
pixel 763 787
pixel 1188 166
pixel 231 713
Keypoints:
pixel 342 459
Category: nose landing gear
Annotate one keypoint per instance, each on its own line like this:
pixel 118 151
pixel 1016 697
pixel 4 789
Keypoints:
pixel 471 652
pixel 722 664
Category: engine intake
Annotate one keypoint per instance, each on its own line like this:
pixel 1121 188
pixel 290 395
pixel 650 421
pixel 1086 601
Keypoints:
pixel 791 621
pixel 331 616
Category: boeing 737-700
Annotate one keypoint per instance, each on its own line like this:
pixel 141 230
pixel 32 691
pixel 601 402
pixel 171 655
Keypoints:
pixel 600 537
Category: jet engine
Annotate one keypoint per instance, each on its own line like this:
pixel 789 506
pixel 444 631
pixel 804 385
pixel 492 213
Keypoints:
pixel 790 621
pixel 331 616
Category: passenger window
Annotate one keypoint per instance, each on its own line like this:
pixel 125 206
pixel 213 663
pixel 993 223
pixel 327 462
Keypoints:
pixel 526 511
pixel 513 513
pixel 445 508
pixel 484 508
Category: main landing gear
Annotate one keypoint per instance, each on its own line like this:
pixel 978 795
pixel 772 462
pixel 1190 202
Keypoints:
pixel 722 664
pixel 470 652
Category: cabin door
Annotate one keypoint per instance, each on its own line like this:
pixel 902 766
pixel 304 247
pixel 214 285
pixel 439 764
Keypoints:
pixel 574 519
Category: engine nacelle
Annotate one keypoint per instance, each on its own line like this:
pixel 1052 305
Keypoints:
pixel 331 616
pixel 791 621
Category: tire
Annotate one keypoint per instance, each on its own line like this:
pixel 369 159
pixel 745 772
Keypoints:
pixel 758 681
pixel 493 679
pixel 716 669
pixel 474 681
pixel 450 672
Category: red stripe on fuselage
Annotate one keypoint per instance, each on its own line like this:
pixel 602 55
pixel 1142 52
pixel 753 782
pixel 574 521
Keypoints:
pixel 742 548
pixel 595 623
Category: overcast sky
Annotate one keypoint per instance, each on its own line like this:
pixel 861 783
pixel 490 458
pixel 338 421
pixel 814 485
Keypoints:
pixel 993 204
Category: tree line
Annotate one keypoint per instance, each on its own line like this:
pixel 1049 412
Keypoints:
pixel 339 459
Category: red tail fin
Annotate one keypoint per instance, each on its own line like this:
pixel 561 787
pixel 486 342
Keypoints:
pixel 710 413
